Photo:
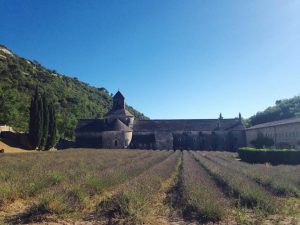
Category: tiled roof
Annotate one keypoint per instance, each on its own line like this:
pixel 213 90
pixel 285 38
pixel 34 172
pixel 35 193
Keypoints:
pixel 276 123
pixel 99 125
pixel 186 125
pixel 118 125
pixel 90 125
pixel 119 112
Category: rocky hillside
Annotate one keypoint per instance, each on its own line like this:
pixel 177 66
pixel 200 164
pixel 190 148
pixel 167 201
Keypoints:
pixel 73 99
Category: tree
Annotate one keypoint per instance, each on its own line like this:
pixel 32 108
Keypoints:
pixel 232 142
pixel 42 122
pixel 46 121
pixel 36 120
pixel 52 130
pixel 215 141
pixel 261 141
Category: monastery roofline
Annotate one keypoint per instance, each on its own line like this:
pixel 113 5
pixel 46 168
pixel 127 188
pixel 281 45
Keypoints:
pixel 167 119
pixel 186 119
pixel 275 123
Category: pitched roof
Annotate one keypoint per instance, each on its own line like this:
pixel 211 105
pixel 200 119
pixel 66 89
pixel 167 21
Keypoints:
pixel 99 125
pixel 187 125
pixel 119 112
pixel 276 123
pixel 90 125
pixel 118 125
pixel 119 95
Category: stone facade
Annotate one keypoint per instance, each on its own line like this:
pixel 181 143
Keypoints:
pixel 285 133
pixel 118 129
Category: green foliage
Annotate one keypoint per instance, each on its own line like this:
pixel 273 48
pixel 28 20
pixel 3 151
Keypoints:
pixel 52 128
pixel 273 156
pixel 36 120
pixel 46 121
pixel 283 109
pixel 269 149
pixel 72 99
pixel 42 122
pixel 262 141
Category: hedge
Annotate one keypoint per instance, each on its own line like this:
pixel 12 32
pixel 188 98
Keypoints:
pixel 273 156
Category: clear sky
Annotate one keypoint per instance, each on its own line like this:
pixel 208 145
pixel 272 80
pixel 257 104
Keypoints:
pixel 170 58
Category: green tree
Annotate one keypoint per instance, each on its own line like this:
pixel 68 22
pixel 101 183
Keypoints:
pixel 261 141
pixel 35 120
pixel 73 99
pixel 52 129
pixel 42 123
pixel 45 123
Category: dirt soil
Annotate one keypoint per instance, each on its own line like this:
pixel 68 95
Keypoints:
pixel 9 149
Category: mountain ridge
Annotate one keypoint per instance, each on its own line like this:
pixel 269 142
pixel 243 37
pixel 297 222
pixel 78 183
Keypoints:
pixel 73 98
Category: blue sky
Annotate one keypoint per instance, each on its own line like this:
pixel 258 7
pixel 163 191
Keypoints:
pixel 170 58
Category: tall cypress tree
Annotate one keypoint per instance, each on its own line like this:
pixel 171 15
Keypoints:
pixel 33 122
pixel 40 121
pixel 45 122
pixel 52 129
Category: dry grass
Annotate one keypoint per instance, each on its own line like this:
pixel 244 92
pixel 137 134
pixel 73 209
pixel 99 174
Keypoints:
pixel 9 149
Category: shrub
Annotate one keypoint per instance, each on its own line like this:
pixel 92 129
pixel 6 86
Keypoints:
pixel 8 193
pixel 273 156
pixel 52 203
pixel 262 141
pixel 94 185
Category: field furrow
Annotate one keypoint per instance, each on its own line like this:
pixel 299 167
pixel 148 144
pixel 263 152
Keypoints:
pixel 201 198
pixel 73 190
pixel 247 192
pixel 274 179
pixel 134 202
pixel 85 186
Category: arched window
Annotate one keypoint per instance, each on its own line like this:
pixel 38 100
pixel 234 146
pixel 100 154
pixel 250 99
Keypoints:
pixel 116 143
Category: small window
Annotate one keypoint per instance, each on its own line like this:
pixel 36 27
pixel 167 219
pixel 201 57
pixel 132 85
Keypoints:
pixel 116 143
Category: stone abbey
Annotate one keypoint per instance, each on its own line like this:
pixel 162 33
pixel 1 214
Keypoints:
pixel 119 129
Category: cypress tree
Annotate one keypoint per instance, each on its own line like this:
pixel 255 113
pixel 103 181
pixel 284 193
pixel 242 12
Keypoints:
pixel 52 129
pixel 40 121
pixel 45 127
pixel 33 122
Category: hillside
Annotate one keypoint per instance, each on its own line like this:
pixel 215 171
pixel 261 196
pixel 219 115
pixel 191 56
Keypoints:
pixel 283 109
pixel 73 99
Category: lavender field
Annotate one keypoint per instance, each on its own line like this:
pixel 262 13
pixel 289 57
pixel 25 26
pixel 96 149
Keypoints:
pixel 145 187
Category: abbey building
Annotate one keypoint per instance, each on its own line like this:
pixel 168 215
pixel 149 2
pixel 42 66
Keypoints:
pixel 119 129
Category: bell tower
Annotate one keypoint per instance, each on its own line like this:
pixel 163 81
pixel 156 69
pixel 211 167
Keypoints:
pixel 119 111
pixel 118 101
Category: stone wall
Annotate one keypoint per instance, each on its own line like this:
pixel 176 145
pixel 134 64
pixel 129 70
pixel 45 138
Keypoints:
pixel 189 140
pixel 116 139
pixel 284 136
pixel 164 140
pixel 6 128
pixel 89 140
